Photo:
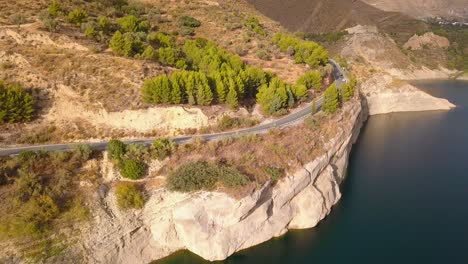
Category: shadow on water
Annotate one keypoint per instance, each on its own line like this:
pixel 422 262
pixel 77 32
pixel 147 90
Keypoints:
pixel 404 199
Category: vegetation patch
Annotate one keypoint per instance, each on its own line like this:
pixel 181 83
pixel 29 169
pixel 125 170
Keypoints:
pixel 129 196
pixel 16 105
pixel 202 175
pixel 307 52
pixel 40 192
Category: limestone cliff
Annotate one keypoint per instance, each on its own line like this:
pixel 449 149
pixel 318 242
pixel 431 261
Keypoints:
pixel 214 225
pixel 386 95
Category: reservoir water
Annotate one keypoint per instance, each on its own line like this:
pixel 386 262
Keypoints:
pixel 405 199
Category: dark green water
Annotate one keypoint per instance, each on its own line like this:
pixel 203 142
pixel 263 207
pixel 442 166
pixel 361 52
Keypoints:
pixel 405 199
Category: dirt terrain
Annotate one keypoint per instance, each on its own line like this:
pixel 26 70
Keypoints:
pixel 83 91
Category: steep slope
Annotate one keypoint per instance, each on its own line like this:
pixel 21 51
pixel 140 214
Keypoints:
pixel 424 8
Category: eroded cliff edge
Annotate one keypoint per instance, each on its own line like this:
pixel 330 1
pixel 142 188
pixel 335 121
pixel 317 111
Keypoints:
pixel 215 225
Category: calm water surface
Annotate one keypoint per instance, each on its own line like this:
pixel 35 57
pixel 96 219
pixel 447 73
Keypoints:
pixel 405 199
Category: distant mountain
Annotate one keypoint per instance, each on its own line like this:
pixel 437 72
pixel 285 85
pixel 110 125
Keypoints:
pixel 424 8
pixel 319 16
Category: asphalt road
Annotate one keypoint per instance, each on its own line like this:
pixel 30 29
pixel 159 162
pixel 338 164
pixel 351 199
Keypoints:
pixel 288 120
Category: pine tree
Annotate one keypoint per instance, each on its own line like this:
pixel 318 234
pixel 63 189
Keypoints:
pixel 117 43
pixel 220 88
pixel 148 92
pixel 127 48
pixel 300 92
pixel 148 54
pixel 204 93
pixel 232 98
pixel 15 104
pixel 163 84
pixel 178 85
pixel 190 87
pixel 331 99
pixel 346 92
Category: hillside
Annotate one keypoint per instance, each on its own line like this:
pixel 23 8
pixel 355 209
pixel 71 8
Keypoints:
pixel 76 78
pixel 321 16
pixel 456 9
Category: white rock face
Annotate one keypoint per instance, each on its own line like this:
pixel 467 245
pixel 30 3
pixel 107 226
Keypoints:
pixel 386 95
pixel 214 225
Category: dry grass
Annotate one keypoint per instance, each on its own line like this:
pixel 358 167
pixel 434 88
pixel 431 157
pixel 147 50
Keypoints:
pixel 288 148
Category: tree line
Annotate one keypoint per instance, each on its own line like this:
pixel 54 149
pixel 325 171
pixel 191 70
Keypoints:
pixel 214 75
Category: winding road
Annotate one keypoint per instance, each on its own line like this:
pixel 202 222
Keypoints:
pixel 288 120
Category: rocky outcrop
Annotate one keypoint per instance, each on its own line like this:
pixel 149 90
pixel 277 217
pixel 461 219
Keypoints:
pixel 386 95
pixel 215 225
pixel 429 39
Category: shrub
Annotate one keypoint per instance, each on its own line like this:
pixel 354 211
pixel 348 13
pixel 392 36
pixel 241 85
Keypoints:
pixel 54 8
pixel 137 151
pixel 274 173
pixel 132 169
pixel 15 104
pixel 82 152
pixel 253 24
pixel 49 22
pixel 188 21
pixel 116 149
pixel 311 122
pixel 18 19
pixel 77 17
pixel 264 55
pixel 129 196
pixel 162 148
pixel 226 122
pixel 202 175
pixel 187 31
pixel 133 24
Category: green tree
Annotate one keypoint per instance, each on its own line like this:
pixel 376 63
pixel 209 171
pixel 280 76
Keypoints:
pixel 132 169
pixel 331 99
pixel 204 94
pixel 232 99
pixel 148 54
pixel 311 80
pixel 220 88
pixel 300 92
pixel 15 104
pixel 178 88
pixel 117 43
pixel 314 107
pixel 168 56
